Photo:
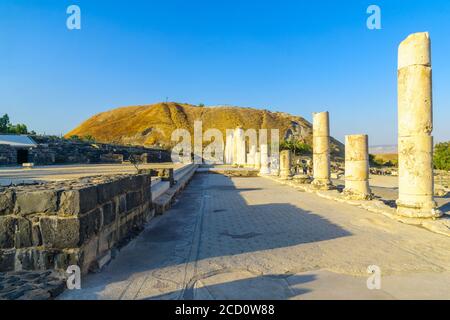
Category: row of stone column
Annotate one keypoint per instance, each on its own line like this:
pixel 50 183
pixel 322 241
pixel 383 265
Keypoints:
pixel 415 143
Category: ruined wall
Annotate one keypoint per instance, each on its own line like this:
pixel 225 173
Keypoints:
pixel 8 155
pixel 57 224
pixel 60 151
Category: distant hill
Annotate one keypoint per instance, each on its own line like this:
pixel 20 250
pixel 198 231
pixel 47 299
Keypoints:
pixel 383 149
pixel 152 125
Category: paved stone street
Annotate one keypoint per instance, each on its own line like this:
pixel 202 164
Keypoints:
pixel 251 238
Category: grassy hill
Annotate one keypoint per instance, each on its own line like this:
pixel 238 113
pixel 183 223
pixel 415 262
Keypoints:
pixel 152 125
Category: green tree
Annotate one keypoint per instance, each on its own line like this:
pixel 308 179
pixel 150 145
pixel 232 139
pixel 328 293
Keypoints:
pixel 4 123
pixel 297 147
pixel 442 156
pixel 7 127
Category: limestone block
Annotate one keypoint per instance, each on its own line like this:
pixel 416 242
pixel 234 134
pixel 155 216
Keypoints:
pixel 321 144
pixel 41 201
pixel 415 101
pixel 415 165
pixel 415 50
pixel 321 127
pixel 415 122
pixel 356 147
pixel 265 164
pixel 321 165
pixel 357 190
pixel 258 160
pixel 285 164
pixel 357 170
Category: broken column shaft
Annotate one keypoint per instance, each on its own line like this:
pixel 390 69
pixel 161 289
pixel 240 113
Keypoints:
pixel 415 124
pixel 357 167
pixel 321 151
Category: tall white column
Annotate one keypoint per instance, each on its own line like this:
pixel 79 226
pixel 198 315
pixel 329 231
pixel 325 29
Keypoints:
pixel 415 124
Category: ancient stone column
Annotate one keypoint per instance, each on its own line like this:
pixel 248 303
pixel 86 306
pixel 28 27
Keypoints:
pixel 321 151
pixel 415 124
pixel 265 163
pixel 357 167
pixel 229 147
pixel 239 145
pixel 258 160
pixel 285 165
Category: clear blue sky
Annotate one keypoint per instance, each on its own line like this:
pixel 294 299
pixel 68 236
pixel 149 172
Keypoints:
pixel 292 56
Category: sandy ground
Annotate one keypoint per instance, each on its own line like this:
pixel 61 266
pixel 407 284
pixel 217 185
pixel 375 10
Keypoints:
pixel 252 238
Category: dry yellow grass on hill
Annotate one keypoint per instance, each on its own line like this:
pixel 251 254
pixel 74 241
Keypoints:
pixel 152 125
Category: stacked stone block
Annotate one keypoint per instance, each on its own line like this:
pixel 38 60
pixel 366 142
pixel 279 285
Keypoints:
pixel 415 124
pixel 57 224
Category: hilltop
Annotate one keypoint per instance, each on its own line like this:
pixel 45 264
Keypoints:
pixel 152 125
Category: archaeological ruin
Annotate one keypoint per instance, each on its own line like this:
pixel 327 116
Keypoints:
pixel 357 167
pixel 321 151
pixel 415 124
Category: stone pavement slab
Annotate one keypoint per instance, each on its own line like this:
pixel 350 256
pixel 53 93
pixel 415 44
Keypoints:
pixel 252 238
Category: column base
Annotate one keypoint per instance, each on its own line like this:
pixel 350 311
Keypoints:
pixel 285 177
pixel 302 179
pixel 418 210
pixel 264 172
pixel 350 194
pixel 322 184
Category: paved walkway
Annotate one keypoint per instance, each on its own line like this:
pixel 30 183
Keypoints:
pixel 251 238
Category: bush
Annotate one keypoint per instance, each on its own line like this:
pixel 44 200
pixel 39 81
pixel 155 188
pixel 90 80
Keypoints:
pixel 441 157
pixel 297 147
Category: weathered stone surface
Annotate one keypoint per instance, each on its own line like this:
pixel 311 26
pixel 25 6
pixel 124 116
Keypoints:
pixel 7 259
pixel 6 202
pixel 108 191
pixel 321 151
pixel 357 167
pixel 134 199
pixel 23 235
pixel 109 213
pixel 122 204
pixel 58 232
pixel 41 201
pixel 415 124
pixel 90 224
pixel 57 224
pixel 31 285
pixel 265 163
pixel 7 231
pixel 285 164
pixel 80 201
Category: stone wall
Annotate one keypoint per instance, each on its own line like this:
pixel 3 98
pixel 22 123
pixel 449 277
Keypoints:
pixel 8 155
pixel 52 150
pixel 57 224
